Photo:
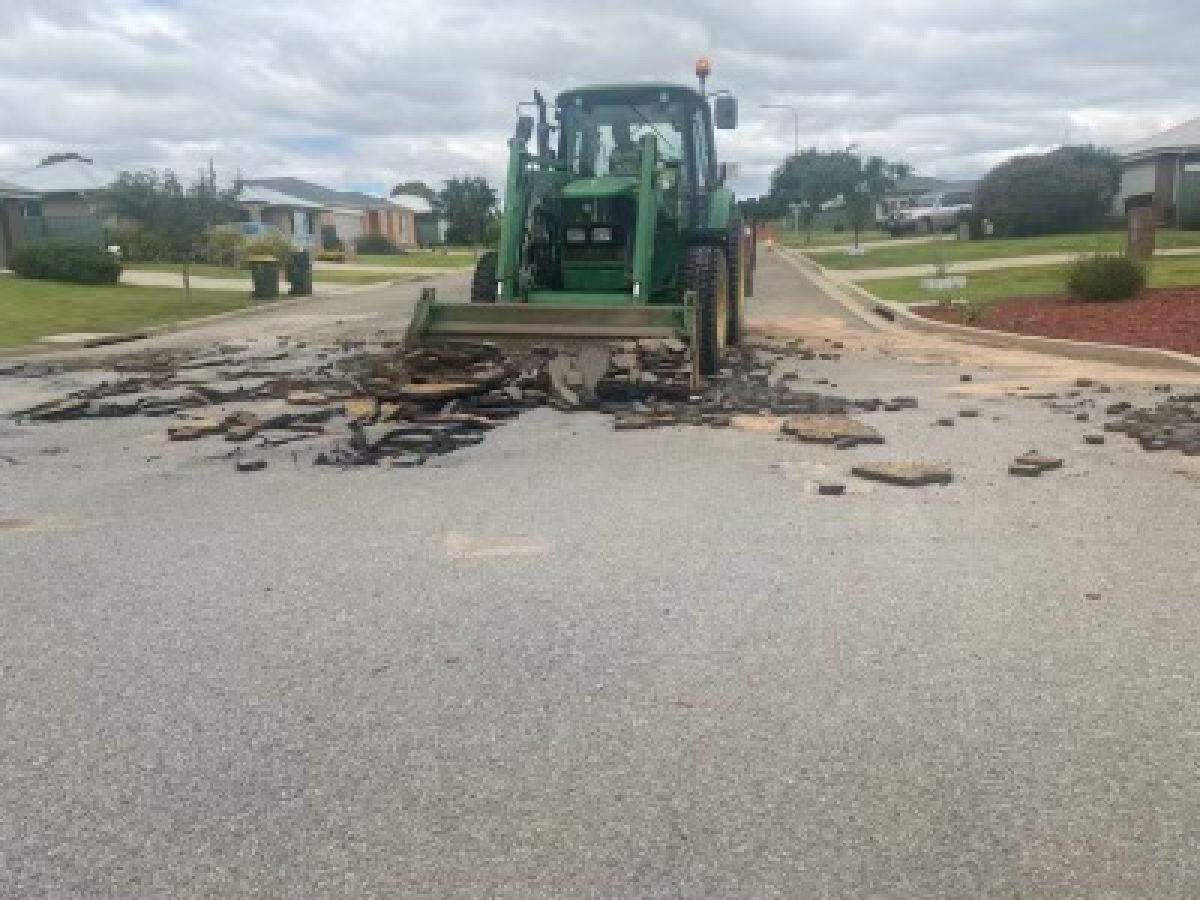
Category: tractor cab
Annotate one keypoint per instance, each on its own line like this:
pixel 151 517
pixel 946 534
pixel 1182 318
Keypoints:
pixel 606 135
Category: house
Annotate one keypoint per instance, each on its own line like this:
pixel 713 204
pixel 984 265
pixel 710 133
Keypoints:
pixel 1163 172
pixel 68 199
pixel 297 219
pixel 347 215
pixel 13 200
pixel 431 228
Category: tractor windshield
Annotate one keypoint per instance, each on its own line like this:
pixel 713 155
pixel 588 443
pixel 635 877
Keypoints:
pixel 603 139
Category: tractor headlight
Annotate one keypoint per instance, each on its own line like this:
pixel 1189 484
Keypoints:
pixel 602 236
pixel 576 236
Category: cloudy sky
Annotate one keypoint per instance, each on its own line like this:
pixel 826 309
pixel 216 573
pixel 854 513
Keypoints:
pixel 362 93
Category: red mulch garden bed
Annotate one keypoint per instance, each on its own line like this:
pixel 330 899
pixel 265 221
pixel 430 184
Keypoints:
pixel 1167 318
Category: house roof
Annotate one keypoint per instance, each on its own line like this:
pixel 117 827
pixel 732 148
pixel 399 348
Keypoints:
pixel 413 203
pixel 1181 137
pixel 8 189
pixel 316 193
pixel 68 176
pixel 253 193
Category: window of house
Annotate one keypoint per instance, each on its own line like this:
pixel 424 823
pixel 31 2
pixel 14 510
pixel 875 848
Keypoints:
pixel 31 209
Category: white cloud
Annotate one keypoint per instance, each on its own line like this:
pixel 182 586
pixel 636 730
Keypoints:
pixel 365 91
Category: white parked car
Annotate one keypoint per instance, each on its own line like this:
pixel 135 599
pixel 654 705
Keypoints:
pixel 940 211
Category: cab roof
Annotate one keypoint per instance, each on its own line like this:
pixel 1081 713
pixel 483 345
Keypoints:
pixel 600 91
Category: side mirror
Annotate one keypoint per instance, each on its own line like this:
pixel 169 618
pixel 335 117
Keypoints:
pixel 524 129
pixel 725 112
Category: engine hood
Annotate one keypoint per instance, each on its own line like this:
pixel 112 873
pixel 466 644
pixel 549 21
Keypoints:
pixel 602 186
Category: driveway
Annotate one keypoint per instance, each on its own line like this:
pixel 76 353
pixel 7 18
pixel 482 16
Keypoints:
pixel 572 662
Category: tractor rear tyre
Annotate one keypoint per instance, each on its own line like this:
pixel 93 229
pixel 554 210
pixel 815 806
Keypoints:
pixel 706 272
pixel 735 258
pixel 483 283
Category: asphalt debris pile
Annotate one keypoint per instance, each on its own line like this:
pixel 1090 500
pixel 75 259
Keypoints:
pixel 1173 424
pixel 358 403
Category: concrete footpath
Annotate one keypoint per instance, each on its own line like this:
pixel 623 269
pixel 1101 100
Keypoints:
pixel 974 265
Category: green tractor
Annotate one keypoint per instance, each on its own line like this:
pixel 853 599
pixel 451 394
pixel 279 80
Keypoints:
pixel 617 223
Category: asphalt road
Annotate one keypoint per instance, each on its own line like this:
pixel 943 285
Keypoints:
pixel 577 663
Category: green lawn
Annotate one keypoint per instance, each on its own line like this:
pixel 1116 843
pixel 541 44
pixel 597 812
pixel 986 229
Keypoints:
pixel 208 271
pixel 31 309
pixel 824 237
pixel 959 251
pixel 1028 281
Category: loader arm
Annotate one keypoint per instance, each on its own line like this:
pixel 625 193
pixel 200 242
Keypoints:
pixel 647 217
pixel 512 222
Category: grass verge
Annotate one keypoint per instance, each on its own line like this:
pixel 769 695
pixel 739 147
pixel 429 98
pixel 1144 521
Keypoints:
pixel 1027 281
pixel 32 309
pixel 960 251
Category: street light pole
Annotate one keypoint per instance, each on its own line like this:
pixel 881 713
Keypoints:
pixel 795 111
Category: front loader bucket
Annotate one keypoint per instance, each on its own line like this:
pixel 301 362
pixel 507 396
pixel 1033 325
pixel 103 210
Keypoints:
pixel 520 323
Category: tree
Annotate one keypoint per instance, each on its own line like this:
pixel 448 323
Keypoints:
pixel 873 178
pixel 180 217
pixel 416 189
pixel 63 157
pixel 1068 189
pixel 814 178
pixel 467 203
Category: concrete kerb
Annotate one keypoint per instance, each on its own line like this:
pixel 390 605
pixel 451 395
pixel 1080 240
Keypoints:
pixel 853 296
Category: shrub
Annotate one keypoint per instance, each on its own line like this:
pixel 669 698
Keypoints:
pixel 64 260
pixel 275 245
pixel 1067 190
pixel 139 245
pixel 1105 276
pixel 375 244
pixel 225 247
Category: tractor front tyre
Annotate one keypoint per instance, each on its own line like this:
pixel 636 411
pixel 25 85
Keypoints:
pixel 707 274
pixel 483 282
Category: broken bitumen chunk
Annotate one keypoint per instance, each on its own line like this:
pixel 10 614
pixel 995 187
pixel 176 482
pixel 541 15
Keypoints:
pixel 307 398
pixel 438 390
pixel 57 410
pixel 905 402
pixel 1041 461
pixel 1084 382
pixel 250 465
pixel 907 473
pixel 1093 439
pixel 945 421
pixel 1163 388
pixel 1082 417
pixel 966 377
pixel 195 430
pixel 1025 470
pixel 831 489
pixel 969 413
pixel 830 429
pixel 1116 409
